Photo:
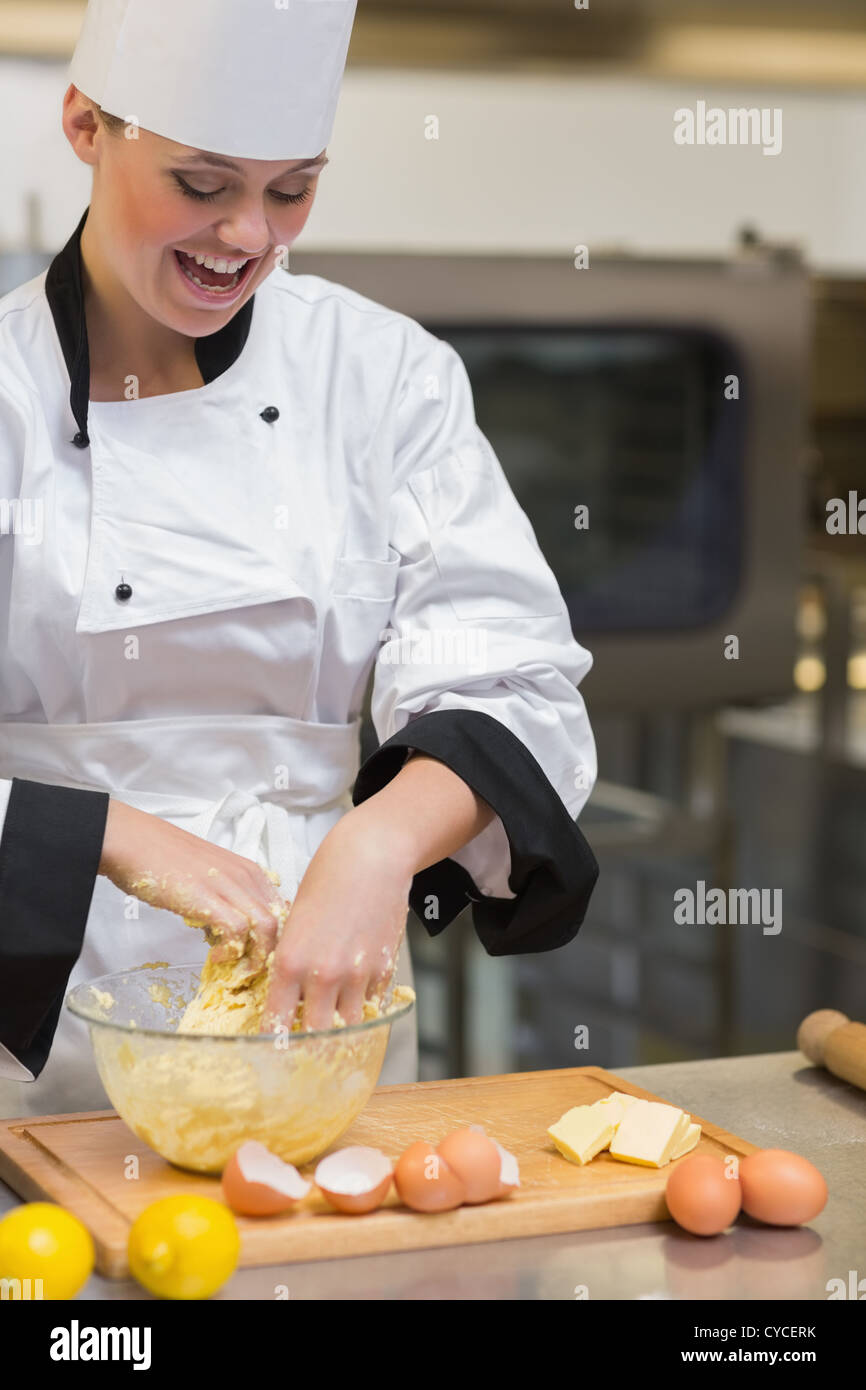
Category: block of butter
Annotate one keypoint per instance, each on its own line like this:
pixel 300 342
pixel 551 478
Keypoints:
pixel 651 1133
pixel 651 1138
pixel 584 1131
pixel 693 1134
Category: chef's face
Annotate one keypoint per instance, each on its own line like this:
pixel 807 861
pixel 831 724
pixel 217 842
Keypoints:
pixel 160 207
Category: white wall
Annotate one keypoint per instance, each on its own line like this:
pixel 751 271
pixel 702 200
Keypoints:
pixel 522 162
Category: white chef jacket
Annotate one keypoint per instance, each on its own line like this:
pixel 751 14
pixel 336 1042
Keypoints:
pixel 323 506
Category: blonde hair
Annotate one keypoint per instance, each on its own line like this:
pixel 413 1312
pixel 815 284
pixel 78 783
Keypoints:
pixel 113 124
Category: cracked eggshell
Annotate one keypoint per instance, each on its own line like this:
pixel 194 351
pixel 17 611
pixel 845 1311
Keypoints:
pixel 477 1162
pixel 425 1180
pixel 355 1179
pixel 256 1182
pixel 509 1171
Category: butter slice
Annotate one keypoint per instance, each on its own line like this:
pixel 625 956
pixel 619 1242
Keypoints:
pixel 619 1095
pixel 616 1104
pixel 582 1132
pixel 693 1134
pixel 649 1133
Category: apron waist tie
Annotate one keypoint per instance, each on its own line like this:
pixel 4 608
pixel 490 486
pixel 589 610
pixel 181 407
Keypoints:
pixel 258 831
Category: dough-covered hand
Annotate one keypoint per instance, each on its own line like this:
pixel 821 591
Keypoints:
pixel 340 942
pixel 233 899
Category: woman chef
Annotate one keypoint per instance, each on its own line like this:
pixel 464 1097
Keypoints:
pixel 238 491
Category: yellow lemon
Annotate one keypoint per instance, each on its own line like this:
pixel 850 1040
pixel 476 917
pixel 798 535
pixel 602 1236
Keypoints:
pixel 42 1241
pixel 184 1247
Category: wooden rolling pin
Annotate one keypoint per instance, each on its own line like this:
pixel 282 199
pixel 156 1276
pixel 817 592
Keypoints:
pixel 829 1039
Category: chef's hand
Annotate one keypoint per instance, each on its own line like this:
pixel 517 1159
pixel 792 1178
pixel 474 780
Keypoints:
pixel 340 942
pixel 230 896
pixel 341 938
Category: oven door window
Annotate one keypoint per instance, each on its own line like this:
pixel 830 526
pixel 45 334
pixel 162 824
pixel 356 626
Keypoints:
pixel 633 424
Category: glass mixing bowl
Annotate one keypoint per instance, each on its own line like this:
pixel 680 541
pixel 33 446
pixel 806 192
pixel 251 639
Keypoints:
pixel 194 1097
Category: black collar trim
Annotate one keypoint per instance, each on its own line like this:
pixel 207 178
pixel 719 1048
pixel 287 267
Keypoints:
pixel 64 290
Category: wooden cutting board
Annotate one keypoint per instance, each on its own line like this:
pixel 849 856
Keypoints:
pixel 88 1163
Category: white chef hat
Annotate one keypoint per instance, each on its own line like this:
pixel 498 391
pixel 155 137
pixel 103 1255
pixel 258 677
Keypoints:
pixel 258 79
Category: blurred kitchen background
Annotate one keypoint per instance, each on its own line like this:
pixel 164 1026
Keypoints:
pixel 478 144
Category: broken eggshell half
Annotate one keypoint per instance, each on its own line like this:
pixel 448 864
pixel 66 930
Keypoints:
pixel 256 1182
pixel 354 1179
pixel 509 1173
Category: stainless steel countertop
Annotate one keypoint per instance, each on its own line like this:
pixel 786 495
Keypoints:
pixel 775 1100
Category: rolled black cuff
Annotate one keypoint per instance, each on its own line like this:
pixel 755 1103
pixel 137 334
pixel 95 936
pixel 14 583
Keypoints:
pixel 49 859
pixel 553 869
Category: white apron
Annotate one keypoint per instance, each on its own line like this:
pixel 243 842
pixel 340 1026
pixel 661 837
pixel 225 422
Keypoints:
pixel 159 766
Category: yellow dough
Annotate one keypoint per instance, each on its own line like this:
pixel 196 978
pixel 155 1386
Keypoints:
pixel 231 1000
pixel 228 1000
pixel 194 1100
pixel 231 996
pixel 231 993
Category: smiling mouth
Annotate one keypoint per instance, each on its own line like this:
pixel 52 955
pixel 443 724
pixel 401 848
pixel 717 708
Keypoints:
pixel 215 281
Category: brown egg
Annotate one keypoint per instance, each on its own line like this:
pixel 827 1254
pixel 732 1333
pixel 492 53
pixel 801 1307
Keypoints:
pixel 476 1161
pixel 256 1182
pixel 355 1179
pixel 781 1188
pixel 426 1181
pixel 700 1197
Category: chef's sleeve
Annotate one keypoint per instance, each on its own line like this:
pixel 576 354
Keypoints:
pixel 50 845
pixel 479 668
pixel 50 849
